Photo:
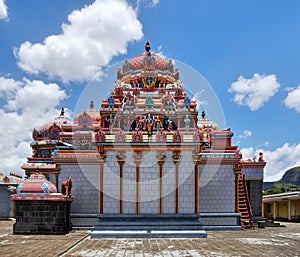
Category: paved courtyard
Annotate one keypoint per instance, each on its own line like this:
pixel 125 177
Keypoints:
pixel 271 241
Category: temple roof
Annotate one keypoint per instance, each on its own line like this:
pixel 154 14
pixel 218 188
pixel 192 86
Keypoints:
pixel 36 183
pixel 139 62
pixel 9 179
pixel 52 128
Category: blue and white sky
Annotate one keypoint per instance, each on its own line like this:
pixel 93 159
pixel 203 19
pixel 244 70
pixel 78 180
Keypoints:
pixel 247 50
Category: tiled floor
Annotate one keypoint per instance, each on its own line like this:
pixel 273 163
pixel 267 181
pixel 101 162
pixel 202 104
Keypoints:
pixel 278 241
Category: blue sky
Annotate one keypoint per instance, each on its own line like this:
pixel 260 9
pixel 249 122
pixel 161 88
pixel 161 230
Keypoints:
pixel 248 51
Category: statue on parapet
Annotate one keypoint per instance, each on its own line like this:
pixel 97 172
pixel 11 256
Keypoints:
pixel 111 102
pixel 187 102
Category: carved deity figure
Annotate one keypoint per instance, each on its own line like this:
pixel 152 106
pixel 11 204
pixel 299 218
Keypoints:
pixel 177 137
pixel 157 123
pixel 187 103
pixel 149 124
pixel 111 102
pixel 111 121
pixel 128 100
pixel 161 136
pixel 187 121
pixel 137 136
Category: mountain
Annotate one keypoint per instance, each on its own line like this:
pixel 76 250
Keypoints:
pixel 290 181
pixel 291 176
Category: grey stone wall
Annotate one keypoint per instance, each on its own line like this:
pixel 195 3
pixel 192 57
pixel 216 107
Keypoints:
pixel 255 195
pixel 6 205
pixel 186 177
pixel 216 189
pixel 253 173
pixel 168 188
pixel 42 217
pixel 111 184
pixel 85 188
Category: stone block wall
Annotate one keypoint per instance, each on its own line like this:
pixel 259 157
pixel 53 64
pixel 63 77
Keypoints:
pixel 6 205
pixel 42 217
pixel 85 188
pixel 216 189
pixel 255 195
pixel 254 177
pixel 186 179
pixel 168 188
pixel 111 185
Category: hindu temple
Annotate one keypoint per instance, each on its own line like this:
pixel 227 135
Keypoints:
pixel 149 156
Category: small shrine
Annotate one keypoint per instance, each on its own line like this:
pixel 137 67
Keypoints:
pixel 40 209
pixel 8 184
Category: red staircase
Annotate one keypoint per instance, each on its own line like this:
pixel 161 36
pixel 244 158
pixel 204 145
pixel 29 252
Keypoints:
pixel 244 205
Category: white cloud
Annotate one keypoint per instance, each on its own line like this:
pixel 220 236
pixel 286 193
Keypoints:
pixel 254 92
pixel 3 11
pixel 199 99
pixel 245 134
pixel 278 161
pixel 27 105
pixel 90 39
pixel 145 3
pixel 292 99
pixel 153 3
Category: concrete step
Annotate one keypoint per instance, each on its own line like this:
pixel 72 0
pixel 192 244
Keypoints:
pixel 148 225
pixel 149 234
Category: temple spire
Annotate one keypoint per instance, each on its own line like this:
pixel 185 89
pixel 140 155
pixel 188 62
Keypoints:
pixel 147 47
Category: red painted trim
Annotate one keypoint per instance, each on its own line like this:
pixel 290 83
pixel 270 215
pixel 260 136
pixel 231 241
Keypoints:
pixel 137 190
pixel 176 190
pixel 101 189
pixel 160 188
pixel 121 189
pixel 196 188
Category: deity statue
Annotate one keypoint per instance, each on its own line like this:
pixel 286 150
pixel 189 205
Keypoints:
pixel 177 137
pixel 149 124
pixel 187 122
pixel 111 102
pixel 187 102
pixel 157 123
pixel 111 121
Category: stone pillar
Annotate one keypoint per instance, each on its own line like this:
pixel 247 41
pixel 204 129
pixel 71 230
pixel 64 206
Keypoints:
pixel 56 180
pixel 274 210
pixel 137 161
pixel 121 160
pixel 289 210
pixel 178 121
pixel 102 161
pixel 176 160
pixel 237 171
pixel 160 160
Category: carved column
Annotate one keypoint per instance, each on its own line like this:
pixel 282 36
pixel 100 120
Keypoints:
pixel 178 121
pixel 160 160
pixel 102 161
pixel 137 161
pixel 197 162
pixel 121 160
pixel 176 160
pixel 237 171
pixel 56 180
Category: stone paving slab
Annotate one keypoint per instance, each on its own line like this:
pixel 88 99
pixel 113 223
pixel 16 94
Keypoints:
pixel 276 241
